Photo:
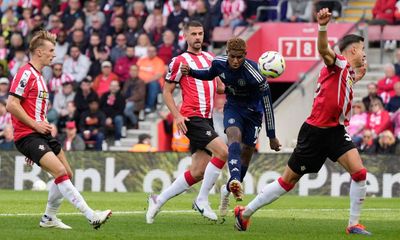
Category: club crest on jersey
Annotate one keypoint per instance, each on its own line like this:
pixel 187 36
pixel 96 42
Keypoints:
pixel 241 82
pixel 43 94
pixel 231 121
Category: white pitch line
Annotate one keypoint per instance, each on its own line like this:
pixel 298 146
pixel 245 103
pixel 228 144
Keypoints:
pixel 194 212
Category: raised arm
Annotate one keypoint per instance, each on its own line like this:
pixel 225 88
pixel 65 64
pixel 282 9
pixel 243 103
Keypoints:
pixel 327 54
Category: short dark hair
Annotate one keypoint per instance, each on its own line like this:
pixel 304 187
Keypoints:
pixel 348 40
pixel 237 44
pixel 192 24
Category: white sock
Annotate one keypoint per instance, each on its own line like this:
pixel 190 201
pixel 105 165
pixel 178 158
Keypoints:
pixel 69 192
pixel 54 201
pixel 177 187
pixel 211 175
pixel 358 191
pixel 270 193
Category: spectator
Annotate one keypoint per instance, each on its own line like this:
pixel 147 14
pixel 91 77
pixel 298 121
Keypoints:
pixel 215 12
pixel 92 124
pixel 113 104
pixel 77 64
pixel 102 56
pixel 177 17
pixel 46 11
pixel 143 145
pixel 98 27
pixel 16 42
pixel 203 16
pixel 151 71
pixel 73 12
pixel 168 48
pixel 334 7
pixel 62 98
pixel 72 141
pixel 394 102
pixel 123 64
pixel 382 14
pixel 118 12
pixel 25 25
pixel 5 117
pixel 133 32
pixel 367 145
pixel 143 43
pixel 385 85
pixel 58 78
pixel 71 116
pixel 18 60
pixel 386 143
pixel 119 49
pixel 118 27
pixel 78 38
pixel 372 93
pixel 92 10
pixel 84 93
pixel 62 47
pixel 378 119
pixel 92 52
pixel 139 12
pixel 38 24
pixel 4 70
pixel 101 83
pixel 232 13
pixel 4 87
pixel 357 123
pixel 157 32
pixel 55 25
pixel 299 11
pixel 7 142
pixel 396 123
pixel 397 64
pixel 149 25
pixel 134 91
pixel 3 48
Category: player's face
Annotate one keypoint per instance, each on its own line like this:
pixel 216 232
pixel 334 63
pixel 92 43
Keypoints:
pixel 194 37
pixel 46 53
pixel 236 58
pixel 359 54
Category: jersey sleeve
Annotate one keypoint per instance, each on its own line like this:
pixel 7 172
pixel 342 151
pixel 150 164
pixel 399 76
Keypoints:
pixel 174 72
pixel 206 74
pixel 21 83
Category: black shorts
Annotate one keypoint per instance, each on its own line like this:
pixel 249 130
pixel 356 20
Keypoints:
pixel 315 144
pixel 36 145
pixel 200 133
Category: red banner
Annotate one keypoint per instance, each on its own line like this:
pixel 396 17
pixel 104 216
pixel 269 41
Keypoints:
pixel 297 42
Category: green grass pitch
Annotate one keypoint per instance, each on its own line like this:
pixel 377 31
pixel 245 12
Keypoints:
pixel 290 217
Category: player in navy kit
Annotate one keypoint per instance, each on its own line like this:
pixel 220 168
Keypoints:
pixel 248 96
pixel 323 134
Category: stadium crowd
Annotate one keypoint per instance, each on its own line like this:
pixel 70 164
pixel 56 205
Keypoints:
pixel 112 56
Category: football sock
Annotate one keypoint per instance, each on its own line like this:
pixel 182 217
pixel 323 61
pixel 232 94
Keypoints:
pixel 243 171
pixel 211 175
pixel 270 193
pixel 181 184
pixel 234 161
pixel 69 192
pixel 54 201
pixel 358 191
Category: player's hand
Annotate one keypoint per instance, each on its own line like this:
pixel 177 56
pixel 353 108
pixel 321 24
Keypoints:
pixel 274 144
pixel 185 69
pixel 42 127
pixel 180 124
pixel 28 161
pixel 323 16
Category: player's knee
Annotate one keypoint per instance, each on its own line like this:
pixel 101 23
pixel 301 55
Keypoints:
pixel 70 174
pixel 360 175
pixel 61 171
pixel 198 174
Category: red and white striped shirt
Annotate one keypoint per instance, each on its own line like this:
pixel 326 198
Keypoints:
pixel 233 8
pixel 5 120
pixel 55 83
pixel 198 95
pixel 28 85
pixel 334 95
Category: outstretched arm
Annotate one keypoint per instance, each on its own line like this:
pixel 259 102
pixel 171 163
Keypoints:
pixel 269 116
pixel 203 74
pixel 327 54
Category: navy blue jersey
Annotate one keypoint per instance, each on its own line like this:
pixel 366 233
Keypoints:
pixel 244 87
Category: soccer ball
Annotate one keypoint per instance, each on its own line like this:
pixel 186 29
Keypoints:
pixel 39 185
pixel 271 64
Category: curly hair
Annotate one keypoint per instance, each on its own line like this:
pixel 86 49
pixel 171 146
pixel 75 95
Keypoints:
pixel 237 44
pixel 39 38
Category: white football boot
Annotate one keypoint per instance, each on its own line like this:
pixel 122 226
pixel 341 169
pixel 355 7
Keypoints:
pixel 49 222
pixel 152 209
pixel 99 218
pixel 224 201
pixel 205 210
